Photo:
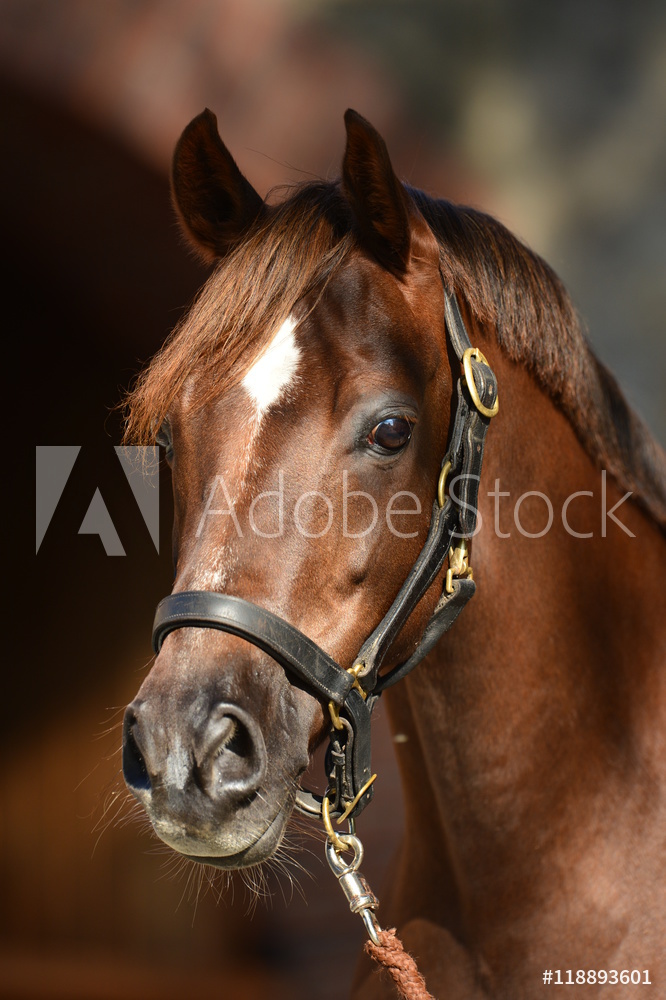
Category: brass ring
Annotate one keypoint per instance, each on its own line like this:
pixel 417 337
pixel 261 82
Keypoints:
pixel 474 352
pixel 339 842
pixel 441 485
pixel 333 709
pixel 335 715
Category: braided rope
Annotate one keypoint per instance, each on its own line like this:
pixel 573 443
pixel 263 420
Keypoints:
pixel 400 965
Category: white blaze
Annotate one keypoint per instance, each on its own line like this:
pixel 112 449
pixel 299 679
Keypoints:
pixel 270 377
pixel 274 370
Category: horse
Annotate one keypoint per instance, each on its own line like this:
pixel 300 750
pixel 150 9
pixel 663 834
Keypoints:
pixel 306 403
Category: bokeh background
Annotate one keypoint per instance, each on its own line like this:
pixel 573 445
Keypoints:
pixel 550 115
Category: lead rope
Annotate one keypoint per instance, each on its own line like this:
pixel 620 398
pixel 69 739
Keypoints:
pixel 383 945
pixel 390 953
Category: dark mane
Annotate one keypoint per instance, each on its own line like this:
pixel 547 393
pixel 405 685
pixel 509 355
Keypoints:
pixel 305 240
pixel 514 290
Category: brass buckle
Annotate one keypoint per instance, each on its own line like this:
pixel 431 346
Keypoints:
pixel 458 565
pixel 474 352
pixel 333 708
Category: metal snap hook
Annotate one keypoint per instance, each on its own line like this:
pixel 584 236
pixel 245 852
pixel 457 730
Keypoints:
pixel 358 893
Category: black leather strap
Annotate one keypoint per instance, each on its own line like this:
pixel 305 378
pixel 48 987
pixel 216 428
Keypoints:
pixel 467 437
pixel 354 770
pixel 455 326
pixel 428 564
pixel 464 484
pixel 286 644
pixel 447 610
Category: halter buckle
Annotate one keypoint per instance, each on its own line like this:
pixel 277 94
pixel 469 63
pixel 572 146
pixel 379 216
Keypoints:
pixel 474 352
pixel 458 565
pixel 333 709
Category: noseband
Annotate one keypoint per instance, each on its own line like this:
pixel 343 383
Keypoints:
pixel 352 694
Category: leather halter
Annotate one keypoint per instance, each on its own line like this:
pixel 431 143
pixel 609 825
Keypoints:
pixel 352 694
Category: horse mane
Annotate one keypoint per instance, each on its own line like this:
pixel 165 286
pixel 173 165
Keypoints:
pixel 304 240
pixel 511 288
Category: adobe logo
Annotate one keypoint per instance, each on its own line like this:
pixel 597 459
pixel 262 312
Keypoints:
pixel 54 464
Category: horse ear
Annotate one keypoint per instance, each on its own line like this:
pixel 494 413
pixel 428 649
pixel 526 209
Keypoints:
pixel 377 197
pixel 214 201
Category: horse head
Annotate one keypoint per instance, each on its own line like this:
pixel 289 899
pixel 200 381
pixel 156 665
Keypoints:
pixel 304 406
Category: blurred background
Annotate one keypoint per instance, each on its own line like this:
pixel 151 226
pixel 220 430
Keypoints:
pixel 551 116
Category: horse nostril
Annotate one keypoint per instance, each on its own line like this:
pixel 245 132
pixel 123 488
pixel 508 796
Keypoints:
pixel 232 758
pixel 134 766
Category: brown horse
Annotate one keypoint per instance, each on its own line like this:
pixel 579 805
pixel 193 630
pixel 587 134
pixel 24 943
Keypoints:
pixel 305 404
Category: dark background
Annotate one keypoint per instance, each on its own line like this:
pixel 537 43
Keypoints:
pixel 551 116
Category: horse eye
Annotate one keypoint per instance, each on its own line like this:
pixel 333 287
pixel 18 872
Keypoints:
pixel 163 438
pixel 391 434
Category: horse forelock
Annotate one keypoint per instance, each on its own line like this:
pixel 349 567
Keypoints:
pixel 302 242
pixel 294 250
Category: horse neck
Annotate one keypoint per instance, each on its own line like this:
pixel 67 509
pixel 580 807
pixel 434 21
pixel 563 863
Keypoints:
pixel 549 691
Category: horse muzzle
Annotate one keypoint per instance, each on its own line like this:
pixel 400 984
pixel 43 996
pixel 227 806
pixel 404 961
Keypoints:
pixel 203 783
